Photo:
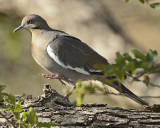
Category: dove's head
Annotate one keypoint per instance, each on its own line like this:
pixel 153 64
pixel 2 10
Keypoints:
pixel 31 22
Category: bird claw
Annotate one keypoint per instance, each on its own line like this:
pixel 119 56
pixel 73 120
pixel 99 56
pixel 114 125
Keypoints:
pixel 70 92
pixel 57 76
pixel 62 82
pixel 61 79
pixel 66 96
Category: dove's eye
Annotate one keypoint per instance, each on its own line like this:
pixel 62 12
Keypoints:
pixel 29 21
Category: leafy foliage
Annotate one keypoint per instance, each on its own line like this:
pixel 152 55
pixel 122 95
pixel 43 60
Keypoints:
pixel 128 63
pixel 28 119
pixel 152 4
pixel 125 64
pixel 82 90
pixel 155 5
pixel 32 120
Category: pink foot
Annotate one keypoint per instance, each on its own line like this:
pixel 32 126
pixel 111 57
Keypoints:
pixel 68 94
pixel 61 77
pixel 57 76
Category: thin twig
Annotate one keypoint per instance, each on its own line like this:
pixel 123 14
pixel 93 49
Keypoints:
pixel 149 97
pixel 138 80
pixel 119 94
pixel 7 120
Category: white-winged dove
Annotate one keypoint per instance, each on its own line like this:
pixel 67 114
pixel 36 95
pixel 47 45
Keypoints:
pixel 67 57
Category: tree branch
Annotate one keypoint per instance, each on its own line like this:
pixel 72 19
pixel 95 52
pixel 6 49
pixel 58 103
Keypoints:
pixel 4 116
pixel 52 107
pixel 138 80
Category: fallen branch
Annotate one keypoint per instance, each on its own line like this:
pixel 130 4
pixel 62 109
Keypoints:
pixel 52 107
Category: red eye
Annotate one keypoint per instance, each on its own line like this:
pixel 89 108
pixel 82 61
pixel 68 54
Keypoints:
pixel 29 21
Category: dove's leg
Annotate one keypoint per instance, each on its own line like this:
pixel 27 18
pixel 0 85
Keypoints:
pixel 57 76
pixel 60 78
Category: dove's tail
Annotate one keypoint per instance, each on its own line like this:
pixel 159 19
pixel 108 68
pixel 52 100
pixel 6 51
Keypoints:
pixel 122 89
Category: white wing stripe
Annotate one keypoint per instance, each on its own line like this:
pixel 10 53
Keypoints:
pixel 58 61
pixel 95 70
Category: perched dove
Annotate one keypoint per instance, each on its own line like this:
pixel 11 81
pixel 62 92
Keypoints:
pixel 67 57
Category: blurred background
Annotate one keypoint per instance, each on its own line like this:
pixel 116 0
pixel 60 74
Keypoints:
pixel 107 26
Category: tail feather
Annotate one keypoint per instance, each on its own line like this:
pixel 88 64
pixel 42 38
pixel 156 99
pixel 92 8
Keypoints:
pixel 122 89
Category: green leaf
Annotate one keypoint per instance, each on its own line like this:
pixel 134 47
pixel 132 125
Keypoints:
pixel 2 87
pixel 92 88
pixel 151 55
pixel 22 98
pixel 131 67
pixel 119 69
pixel 120 60
pixel 128 0
pixel 110 81
pixel 25 124
pixel 127 57
pixel 30 117
pixel 46 125
pixel 142 1
pixel 25 115
pixel 10 99
pixel 4 107
pixel 155 5
pixel 11 109
pixel 18 107
pixel 143 65
pixel 138 54
pixel 17 110
pixel 16 115
pixel 80 92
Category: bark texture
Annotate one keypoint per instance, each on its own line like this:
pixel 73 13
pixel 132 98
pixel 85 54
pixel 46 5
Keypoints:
pixel 52 107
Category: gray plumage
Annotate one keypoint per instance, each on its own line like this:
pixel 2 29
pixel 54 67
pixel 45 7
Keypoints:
pixel 63 54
